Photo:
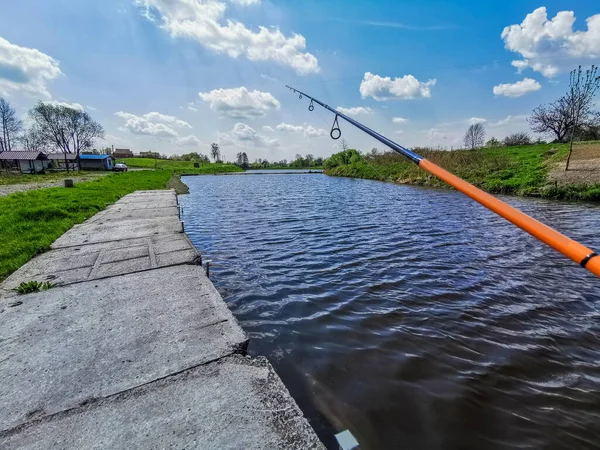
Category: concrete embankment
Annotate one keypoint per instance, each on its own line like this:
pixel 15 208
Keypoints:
pixel 134 348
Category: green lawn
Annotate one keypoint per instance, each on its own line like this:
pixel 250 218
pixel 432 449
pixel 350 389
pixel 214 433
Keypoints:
pixel 20 178
pixel 508 170
pixel 31 221
pixel 180 167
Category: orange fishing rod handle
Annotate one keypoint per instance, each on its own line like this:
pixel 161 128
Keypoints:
pixel 568 247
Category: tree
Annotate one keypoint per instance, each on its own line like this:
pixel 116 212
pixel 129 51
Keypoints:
pixel 245 161
pixel 32 140
pixel 581 94
pixel 344 144
pixel 493 143
pixel 475 136
pixel 68 129
pixel 572 113
pixel 215 152
pixel 309 159
pixel 10 126
pixel 516 139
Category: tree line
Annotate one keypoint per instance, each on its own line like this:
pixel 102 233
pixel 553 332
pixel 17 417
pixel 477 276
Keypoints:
pixel 571 117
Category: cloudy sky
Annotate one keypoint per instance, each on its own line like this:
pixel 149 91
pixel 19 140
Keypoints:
pixel 175 75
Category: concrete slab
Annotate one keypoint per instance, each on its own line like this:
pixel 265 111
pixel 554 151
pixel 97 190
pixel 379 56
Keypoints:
pixel 90 233
pixel 117 214
pixel 90 262
pixel 234 403
pixel 63 347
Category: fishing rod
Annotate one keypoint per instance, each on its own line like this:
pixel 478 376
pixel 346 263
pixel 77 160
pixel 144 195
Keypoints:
pixel 585 257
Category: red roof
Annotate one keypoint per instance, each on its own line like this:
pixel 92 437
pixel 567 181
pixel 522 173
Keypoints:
pixel 22 155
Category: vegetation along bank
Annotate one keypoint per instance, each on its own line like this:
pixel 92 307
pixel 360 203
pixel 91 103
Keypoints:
pixel 528 170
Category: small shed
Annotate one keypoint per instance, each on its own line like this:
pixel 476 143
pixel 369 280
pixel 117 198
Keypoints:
pixel 60 160
pixel 96 162
pixel 25 162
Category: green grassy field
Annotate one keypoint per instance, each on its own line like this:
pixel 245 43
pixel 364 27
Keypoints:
pixel 31 221
pixel 180 167
pixel 21 178
pixel 510 170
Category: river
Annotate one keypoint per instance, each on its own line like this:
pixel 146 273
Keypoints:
pixel 413 317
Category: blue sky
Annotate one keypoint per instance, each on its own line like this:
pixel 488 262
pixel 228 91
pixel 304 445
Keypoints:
pixel 175 75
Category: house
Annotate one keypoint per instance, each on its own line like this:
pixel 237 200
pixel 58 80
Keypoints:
pixel 96 162
pixel 60 160
pixel 122 153
pixel 25 162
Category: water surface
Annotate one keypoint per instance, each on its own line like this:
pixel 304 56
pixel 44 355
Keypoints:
pixel 413 317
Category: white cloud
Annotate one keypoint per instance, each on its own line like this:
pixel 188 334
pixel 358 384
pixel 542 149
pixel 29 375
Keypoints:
pixel 66 104
pixel 399 120
pixel 25 70
pixel 245 134
pixel 551 46
pixel 239 103
pixel 246 2
pixel 355 111
pixel 140 125
pixel 517 89
pixel 475 120
pixel 156 117
pixel 290 128
pixel 189 141
pixel 91 108
pixel 405 88
pixel 204 21
pixel 510 120
pixel 191 108
pixel 268 128
pixel 308 130
pixel 269 78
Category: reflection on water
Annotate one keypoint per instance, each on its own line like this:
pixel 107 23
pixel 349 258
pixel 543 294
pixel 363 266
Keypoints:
pixel 413 317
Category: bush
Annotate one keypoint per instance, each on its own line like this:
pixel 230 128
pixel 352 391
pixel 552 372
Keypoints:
pixel 349 156
pixel 515 139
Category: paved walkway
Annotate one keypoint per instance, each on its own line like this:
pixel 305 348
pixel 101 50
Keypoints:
pixel 135 348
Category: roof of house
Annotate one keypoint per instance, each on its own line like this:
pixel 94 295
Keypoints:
pixel 94 156
pixel 22 155
pixel 61 156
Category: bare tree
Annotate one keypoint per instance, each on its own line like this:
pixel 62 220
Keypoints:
pixel 581 94
pixel 515 139
pixel 10 126
pixel 215 152
pixel 68 129
pixel 572 113
pixel 32 140
pixel 475 136
pixel 344 144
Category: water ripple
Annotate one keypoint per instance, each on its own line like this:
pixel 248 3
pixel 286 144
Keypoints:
pixel 413 317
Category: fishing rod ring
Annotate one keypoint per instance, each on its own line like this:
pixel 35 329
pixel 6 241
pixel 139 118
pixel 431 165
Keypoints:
pixel 311 107
pixel 335 133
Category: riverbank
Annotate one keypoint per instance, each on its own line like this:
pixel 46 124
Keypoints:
pixel 525 171
pixel 31 221
pixel 134 336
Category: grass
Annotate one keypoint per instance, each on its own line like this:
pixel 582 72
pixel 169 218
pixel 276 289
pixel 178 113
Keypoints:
pixel 512 170
pixel 20 178
pixel 31 221
pixel 180 167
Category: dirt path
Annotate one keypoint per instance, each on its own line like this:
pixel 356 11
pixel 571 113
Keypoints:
pixel 8 189
pixel 584 167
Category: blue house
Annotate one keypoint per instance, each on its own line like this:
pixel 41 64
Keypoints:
pixel 96 162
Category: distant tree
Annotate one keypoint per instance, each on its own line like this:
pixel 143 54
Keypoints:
pixel 475 136
pixel 517 139
pixel 493 143
pixel 309 159
pixel 215 152
pixel 10 126
pixel 319 162
pixel 581 94
pixel 374 152
pixel 240 159
pixel 245 161
pixel 344 144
